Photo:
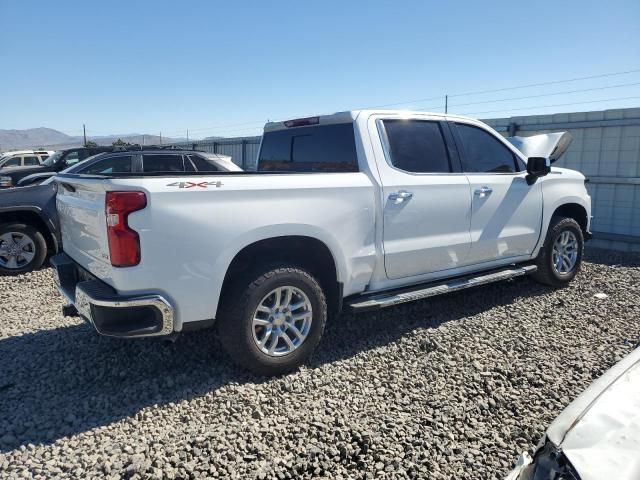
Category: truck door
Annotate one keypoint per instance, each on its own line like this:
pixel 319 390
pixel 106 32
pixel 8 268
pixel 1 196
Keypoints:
pixel 426 199
pixel 506 211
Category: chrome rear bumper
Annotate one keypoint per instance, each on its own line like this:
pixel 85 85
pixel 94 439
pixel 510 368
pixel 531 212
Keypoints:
pixel 110 313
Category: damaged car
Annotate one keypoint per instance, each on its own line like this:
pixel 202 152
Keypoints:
pixel 597 436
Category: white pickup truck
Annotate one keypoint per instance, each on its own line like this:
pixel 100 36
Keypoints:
pixel 361 210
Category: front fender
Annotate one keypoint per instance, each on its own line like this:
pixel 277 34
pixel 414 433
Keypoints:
pixel 562 190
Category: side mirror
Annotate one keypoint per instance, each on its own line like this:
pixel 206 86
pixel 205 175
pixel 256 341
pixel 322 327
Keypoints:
pixel 537 167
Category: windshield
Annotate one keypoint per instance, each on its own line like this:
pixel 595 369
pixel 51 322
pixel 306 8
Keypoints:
pixel 52 159
pixel 81 164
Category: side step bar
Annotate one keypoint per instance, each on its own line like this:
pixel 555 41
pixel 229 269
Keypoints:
pixel 388 299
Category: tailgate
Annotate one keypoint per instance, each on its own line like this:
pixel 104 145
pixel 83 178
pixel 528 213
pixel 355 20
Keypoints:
pixel 81 209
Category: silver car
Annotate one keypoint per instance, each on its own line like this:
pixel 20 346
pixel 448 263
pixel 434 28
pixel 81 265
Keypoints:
pixel 597 436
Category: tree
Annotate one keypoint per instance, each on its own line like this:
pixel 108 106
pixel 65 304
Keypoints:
pixel 120 143
pixel 91 144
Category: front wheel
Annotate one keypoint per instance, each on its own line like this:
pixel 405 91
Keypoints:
pixel 560 256
pixel 273 320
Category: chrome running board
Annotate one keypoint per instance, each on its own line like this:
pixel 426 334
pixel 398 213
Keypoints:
pixel 376 301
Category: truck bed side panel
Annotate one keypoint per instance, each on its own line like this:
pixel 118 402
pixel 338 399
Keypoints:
pixel 190 234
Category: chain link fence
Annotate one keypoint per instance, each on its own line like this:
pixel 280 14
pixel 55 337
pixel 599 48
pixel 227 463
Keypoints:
pixel 243 151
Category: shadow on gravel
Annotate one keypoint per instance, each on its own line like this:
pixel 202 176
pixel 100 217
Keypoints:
pixel 601 256
pixel 56 383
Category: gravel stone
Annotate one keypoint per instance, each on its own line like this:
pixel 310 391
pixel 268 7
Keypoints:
pixel 453 387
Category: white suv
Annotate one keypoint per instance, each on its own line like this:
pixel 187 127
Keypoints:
pixel 24 158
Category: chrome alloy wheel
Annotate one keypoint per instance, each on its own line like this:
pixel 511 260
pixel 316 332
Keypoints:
pixel 565 252
pixel 282 321
pixel 16 250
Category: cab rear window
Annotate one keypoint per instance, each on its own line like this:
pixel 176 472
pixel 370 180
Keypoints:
pixel 321 149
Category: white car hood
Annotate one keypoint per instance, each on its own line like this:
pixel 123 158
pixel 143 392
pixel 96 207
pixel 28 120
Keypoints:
pixel 547 145
pixel 599 431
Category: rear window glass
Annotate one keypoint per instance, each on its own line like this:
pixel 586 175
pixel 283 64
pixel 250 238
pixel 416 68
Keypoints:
pixel 162 163
pixel 325 148
pixel 120 164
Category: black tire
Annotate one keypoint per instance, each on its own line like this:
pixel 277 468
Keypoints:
pixel 235 322
pixel 547 273
pixel 39 248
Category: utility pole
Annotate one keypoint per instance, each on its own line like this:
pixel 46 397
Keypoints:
pixel 142 139
pixel 84 134
pixel 187 135
pixel 446 103
pixel 160 138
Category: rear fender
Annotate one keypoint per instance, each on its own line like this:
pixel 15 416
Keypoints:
pixel 351 274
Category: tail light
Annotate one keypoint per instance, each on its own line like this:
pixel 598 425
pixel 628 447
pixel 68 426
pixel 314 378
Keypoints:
pixel 124 243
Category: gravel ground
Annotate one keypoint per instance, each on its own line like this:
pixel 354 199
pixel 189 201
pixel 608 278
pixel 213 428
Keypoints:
pixel 453 387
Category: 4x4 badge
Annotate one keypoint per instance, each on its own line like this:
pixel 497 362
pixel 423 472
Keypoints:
pixel 217 184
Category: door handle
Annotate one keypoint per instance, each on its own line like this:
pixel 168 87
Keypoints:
pixel 401 196
pixel 483 191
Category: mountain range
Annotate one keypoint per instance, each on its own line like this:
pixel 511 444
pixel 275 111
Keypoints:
pixel 54 140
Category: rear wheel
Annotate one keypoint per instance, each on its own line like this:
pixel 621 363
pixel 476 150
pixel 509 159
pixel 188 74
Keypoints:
pixel 560 257
pixel 273 320
pixel 22 248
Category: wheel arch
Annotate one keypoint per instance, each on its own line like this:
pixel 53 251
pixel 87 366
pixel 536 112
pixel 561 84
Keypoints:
pixel 308 252
pixel 570 205
pixel 31 217
pixel 575 211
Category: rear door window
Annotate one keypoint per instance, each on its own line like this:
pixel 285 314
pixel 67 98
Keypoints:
pixel 14 162
pixel 324 148
pixel 120 164
pixel 483 152
pixel 162 163
pixel 30 161
pixel 417 146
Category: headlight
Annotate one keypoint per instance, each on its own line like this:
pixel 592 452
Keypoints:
pixel 549 463
pixel 6 182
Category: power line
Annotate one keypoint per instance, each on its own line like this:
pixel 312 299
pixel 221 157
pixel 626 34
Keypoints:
pixel 554 105
pixel 177 132
pixel 554 82
pixel 566 92
pixel 442 97
pixel 236 131
pixel 225 127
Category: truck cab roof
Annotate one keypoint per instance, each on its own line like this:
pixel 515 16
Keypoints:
pixel 350 116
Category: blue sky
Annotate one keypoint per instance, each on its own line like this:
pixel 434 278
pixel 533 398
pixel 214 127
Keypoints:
pixel 223 68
